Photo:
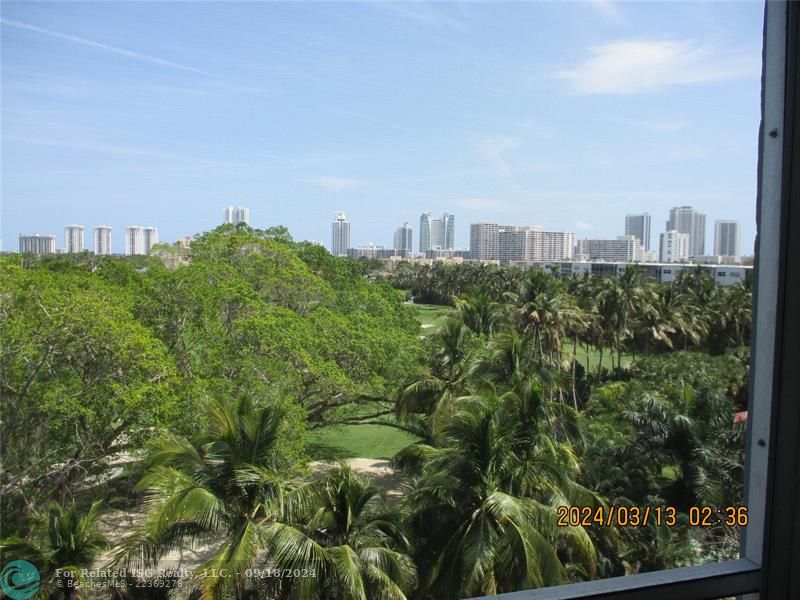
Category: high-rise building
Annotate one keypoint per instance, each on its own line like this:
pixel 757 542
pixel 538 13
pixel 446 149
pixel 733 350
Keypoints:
pixel 73 239
pixel 483 242
pixel 639 226
pixel 674 246
pixel 37 244
pixel 436 234
pixel 626 248
pixel 727 238
pixel 237 214
pixel 684 219
pixel 550 245
pixel 449 233
pixel 340 235
pixel 512 243
pixel 492 241
pixel 102 240
pixel 150 238
pixel 134 240
pixel 403 240
pixel 425 232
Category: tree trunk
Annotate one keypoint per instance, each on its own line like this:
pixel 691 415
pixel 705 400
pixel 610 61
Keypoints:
pixel 600 365
pixel 574 365
pixel 587 360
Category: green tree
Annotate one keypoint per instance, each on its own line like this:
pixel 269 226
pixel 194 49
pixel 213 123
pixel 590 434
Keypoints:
pixel 81 380
pixel 482 503
pixel 228 482
pixel 353 543
pixel 61 543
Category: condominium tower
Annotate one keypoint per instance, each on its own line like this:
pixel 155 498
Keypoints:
pixel 639 226
pixel 492 241
pixel 626 248
pixel 73 239
pixel 140 240
pixel 150 238
pixel 436 234
pixel 102 240
pixel 403 240
pixel 674 246
pixel 727 238
pixel 684 219
pixel 237 214
pixel 340 235
pixel 37 244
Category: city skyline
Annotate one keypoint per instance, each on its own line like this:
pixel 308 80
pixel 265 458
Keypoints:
pixel 488 240
pixel 123 114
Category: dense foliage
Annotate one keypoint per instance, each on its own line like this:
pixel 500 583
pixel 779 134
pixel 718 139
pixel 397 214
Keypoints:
pixel 187 381
pixel 99 354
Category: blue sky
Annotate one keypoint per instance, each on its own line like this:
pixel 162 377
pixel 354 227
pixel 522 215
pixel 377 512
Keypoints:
pixel 566 115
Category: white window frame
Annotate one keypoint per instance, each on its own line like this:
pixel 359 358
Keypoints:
pixel 769 566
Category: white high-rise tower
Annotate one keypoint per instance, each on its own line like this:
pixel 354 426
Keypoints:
pixel 134 240
pixel 340 235
pixel 37 244
pixel 237 214
pixel 684 219
pixel 102 240
pixel 150 238
pixel 403 240
pixel 73 239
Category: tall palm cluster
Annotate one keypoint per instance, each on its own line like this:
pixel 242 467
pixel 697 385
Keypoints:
pixel 629 314
pixel 483 495
pixel 502 410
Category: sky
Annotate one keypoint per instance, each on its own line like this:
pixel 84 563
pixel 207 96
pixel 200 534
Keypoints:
pixel 567 115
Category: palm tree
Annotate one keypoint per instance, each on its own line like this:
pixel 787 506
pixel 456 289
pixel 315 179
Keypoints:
pixel 482 315
pixel 355 546
pixel 658 318
pixel 62 541
pixel 228 482
pixel 423 402
pixel 730 315
pixel 539 304
pixel 507 359
pixel 482 503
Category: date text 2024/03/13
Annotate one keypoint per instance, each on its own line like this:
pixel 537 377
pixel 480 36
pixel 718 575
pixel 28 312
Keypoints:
pixel 639 516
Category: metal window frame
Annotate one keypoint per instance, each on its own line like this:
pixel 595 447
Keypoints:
pixel 770 549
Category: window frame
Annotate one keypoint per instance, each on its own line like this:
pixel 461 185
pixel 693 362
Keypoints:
pixel 769 566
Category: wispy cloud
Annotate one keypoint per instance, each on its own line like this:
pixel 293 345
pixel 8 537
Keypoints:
pixel 493 150
pixel 426 14
pixel 630 66
pixel 583 225
pixel 608 9
pixel 100 46
pixel 337 184
pixel 95 147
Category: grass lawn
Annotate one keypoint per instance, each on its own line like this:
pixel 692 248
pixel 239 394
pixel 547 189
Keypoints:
pixel 357 441
pixel 431 316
